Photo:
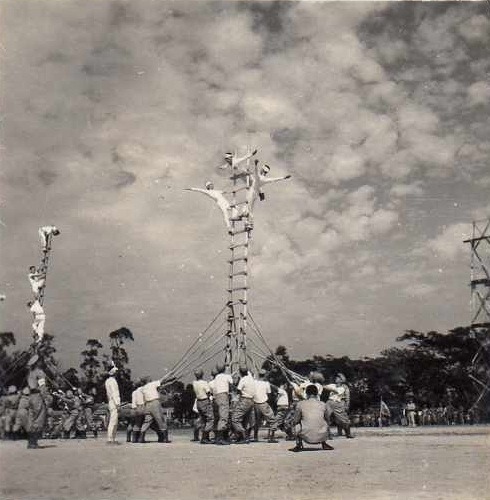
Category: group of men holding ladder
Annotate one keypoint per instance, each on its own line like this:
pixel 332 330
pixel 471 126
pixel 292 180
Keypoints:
pixel 236 405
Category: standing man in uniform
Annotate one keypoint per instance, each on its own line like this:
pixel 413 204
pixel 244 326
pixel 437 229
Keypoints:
pixel 204 406
pixel 10 410
pixel 153 407
pixel 262 407
pixel 22 414
pixel 221 394
pixel 114 401
pixel 282 404
pixel 138 415
pixel 241 415
pixel 337 404
pixel 36 381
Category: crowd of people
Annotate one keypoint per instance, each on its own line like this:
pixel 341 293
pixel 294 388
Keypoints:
pixel 68 414
pixel 228 410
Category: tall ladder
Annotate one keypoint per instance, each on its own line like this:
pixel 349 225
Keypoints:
pixel 43 268
pixel 238 286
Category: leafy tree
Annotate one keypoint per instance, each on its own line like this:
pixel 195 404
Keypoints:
pixel 90 364
pixel 70 377
pixel 120 358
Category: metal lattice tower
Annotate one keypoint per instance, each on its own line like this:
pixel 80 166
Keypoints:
pixel 480 272
pixel 480 304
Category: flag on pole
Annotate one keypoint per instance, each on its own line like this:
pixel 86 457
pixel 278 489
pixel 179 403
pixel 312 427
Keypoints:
pixel 384 411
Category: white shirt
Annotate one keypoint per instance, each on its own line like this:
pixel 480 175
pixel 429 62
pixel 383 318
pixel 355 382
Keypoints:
pixel 150 390
pixel 201 389
pixel 300 390
pixel 262 389
pixel 112 390
pixel 137 398
pixel 282 397
pixel 336 392
pixel 37 309
pixel 36 280
pixel 222 383
pixel 247 386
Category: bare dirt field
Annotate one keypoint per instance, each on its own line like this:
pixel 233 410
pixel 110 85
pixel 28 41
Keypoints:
pixel 421 463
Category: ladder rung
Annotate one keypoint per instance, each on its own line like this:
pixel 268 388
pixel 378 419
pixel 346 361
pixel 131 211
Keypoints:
pixel 236 219
pixel 239 175
pixel 238 302
pixel 241 231
pixel 237 289
pixel 237 203
pixel 238 245
pixel 237 259
pixel 240 273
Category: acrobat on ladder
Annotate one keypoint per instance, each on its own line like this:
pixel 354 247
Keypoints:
pixel 37 280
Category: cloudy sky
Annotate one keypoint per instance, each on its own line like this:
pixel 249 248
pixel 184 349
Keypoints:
pixel 110 108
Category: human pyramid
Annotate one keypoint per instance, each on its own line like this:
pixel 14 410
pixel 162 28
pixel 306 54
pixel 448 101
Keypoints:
pixel 257 178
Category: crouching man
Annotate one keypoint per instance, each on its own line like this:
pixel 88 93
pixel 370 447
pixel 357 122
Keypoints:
pixel 311 420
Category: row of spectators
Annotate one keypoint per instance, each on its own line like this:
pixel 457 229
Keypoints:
pixel 427 415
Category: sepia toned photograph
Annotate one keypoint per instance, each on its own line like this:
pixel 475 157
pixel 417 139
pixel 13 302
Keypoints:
pixel 244 250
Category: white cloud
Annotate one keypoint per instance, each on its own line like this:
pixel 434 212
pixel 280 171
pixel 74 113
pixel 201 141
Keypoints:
pixel 479 93
pixel 448 244
pixel 407 190
pixel 476 29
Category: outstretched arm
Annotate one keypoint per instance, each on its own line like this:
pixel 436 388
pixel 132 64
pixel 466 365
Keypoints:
pixel 268 180
pixel 237 161
pixel 207 192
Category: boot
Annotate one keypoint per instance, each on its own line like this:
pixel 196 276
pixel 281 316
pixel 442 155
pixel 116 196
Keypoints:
pixel 256 434
pixel 326 446
pixel 142 438
pixel 196 435
pixel 66 435
pixel 348 435
pixel 299 445
pixel 329 434
pixel 271 437
pixel 160 436
pixel 220 439
pixel 165 438
pixel 31 441
pixel 242 438
pixel 96 433
pixel 136 436
pixel 205 438
pixel 82 435
pixel 128 436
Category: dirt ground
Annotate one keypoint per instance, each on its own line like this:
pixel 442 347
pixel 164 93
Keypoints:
pixel 421 463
